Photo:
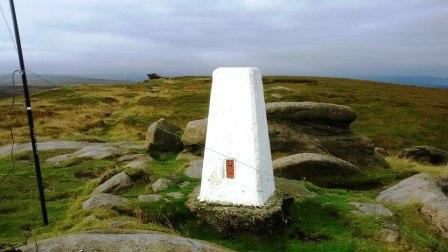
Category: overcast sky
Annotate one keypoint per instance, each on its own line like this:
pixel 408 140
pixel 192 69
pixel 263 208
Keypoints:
pixel 295 37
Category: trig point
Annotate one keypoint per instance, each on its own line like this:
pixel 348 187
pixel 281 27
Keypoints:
pixel 237 168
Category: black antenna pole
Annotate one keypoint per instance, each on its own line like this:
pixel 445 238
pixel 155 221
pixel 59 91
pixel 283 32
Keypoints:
pixel 30 116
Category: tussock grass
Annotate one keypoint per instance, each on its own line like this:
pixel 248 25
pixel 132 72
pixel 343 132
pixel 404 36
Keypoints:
pixel 393 116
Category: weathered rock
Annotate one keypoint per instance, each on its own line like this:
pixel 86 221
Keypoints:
pixel 175 195
pixel 227 219
pixel 132 157
pixel 422 189
pixel 390 233
pixel 195 132
pixel 297 127
pixel 184 184
pixel 149 198
pixel 323 128
pixel 311 112
pixel 99 151
pixel 109 201
pixel 293 189
pixel 117 182
pixel 313 167
pixel 104 240
pixel 366 208
pixel 427 154
pixel 137 164
pixel 194 170
pixel 43 146
pixel 161 137
pixel 161 184
pixel 58 159
pixel 187 155
pixel 154 76
pixel 94 151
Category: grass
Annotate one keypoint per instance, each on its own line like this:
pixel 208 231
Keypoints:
pixel 322 223
pixel 393 116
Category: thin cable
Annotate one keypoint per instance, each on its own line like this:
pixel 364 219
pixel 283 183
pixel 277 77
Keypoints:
pixel 167 131
pixel 9 28
pixel 10 127
pixel 65 86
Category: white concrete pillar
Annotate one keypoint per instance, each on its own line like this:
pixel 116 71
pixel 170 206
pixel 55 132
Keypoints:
pixel 237 166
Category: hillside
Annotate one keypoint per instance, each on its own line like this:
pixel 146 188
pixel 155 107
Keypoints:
pixel 393 116
pixel 322 217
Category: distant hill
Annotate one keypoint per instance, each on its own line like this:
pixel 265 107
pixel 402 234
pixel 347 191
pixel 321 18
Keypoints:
pixel 422 81
pixel 62 79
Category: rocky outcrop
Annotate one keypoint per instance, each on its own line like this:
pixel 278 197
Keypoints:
pixel 162 137
pixel 422 189
pixel 149 198
pixel 129 241
pixel 194 169
pixel 297 127
pixel 195 132
pixel 328 114
pixel 313 167
pixel 426 154
pixel 90 151
pixel 161 184
pixel 375 209
pixel 117 182
pixel 42 146
pixel 154 76
pixel 324 128
pixel 109 201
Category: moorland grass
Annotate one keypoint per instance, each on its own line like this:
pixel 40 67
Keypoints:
pixel 324 223
pixel 393 116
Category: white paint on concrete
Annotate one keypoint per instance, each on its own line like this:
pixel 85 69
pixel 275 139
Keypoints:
pixel 237 129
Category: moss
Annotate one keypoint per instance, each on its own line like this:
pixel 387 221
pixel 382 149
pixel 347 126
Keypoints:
pixel 229 220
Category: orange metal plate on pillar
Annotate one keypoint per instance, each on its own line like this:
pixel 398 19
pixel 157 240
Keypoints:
pixel 230 168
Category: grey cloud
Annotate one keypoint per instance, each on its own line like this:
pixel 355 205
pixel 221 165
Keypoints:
pixel 318 37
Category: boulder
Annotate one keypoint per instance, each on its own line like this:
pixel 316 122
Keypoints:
pixel 99 151
pixel 117 182
pixel 426 154
pixel 104 240
pixel 328 114
pixel 324 128
pixel 93 151
pixel 184 184
pixel 175 195
pixel 132 157
pixel 366 208
pixel 149 198
pixel 313 167
pixel 230 219
pixel 42 146
pixel 162 137
pixel 187 155
pixel 195 132
pixel 194 169
pixel 161 184
pixel 109 201
pixel 153 76
pixel 293 189
pixel 426 190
